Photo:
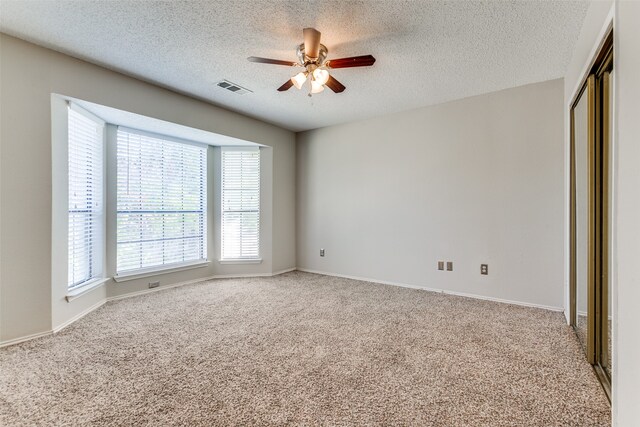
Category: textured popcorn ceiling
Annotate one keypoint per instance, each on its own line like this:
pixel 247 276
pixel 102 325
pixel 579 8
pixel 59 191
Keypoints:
pixel 427 52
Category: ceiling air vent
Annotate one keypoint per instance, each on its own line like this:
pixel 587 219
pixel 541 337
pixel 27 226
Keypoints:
pixel 232 87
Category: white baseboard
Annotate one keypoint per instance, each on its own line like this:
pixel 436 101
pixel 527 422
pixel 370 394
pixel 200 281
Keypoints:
pixel 78 316
pixel 133 294
pixel 56 329
pixel 585 314
pixel 286 270
pixel 506 301
pixel 159 288
pixel 366 279
pixel 202 279
pixel 443 291
pixel 14 341
pixel 237 276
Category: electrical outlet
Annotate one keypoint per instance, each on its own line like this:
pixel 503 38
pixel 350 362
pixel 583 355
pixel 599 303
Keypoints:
pixel 154 284
pixel 449 265
pixel 484 269
pixel 441 265
pixel 321 252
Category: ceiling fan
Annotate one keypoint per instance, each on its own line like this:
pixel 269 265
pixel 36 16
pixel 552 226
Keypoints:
pixel 312 56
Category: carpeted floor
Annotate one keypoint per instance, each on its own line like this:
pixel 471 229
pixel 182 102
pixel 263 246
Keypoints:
pixel 303 349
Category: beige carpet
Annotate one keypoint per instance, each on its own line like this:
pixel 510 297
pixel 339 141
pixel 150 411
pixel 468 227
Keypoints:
pixel 303 349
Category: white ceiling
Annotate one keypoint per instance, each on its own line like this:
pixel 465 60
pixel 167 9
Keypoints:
pixel 427 52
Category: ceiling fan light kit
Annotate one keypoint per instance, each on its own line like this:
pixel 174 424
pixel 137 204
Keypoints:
pixel 321 75
pixel 312 56
pixel 316 87
pixel 299 79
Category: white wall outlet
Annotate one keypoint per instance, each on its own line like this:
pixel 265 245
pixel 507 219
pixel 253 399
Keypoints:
pixel 321 252
pixel 154 284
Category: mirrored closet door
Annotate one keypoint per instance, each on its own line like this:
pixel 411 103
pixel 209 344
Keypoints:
pixel 591 134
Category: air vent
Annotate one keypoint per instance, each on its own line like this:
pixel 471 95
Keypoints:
pixel 232 87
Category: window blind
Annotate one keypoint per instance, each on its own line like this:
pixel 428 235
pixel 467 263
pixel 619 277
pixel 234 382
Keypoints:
pixel 240 204
pixel 86 212
pixel 161 202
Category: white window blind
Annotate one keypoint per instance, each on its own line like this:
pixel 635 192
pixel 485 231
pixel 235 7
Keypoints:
pixel 161 202
pixel 86 196
pixel 240 204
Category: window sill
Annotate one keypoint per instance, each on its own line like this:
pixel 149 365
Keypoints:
pixel 81 290
pixel 241 261
pixel 148 272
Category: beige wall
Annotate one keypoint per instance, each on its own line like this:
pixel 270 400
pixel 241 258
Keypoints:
pixel 29 75
pixel 472 181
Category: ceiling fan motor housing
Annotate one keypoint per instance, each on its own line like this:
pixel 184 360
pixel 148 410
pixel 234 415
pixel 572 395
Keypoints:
pixel 305 60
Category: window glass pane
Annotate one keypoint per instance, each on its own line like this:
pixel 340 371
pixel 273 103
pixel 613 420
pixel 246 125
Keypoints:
pixel 240 204
pixel 161 207
pixel 85 173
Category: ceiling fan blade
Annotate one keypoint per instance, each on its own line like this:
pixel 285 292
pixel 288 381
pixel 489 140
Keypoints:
pixel 285 86
pixel 271 61
pixel 354 61
pixel 335 85
pixel 311 42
